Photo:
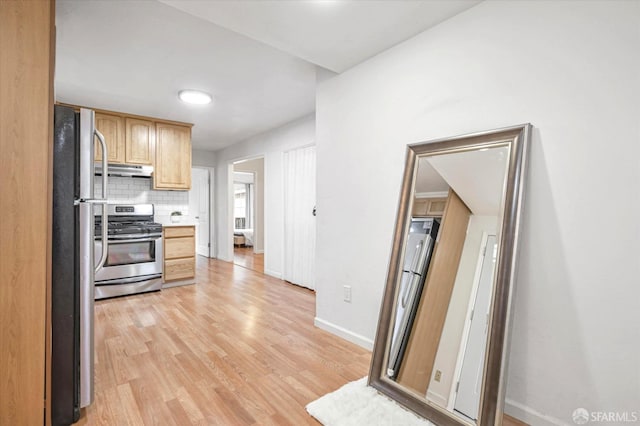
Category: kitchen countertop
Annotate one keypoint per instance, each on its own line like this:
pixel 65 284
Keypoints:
pixel 170 224
pixel 165 221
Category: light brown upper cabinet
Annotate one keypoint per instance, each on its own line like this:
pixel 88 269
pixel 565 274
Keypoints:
pixel 173 157
pixel 112 127
pixel 140 138
pixel 428 207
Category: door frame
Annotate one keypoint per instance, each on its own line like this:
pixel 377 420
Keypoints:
pixel 231 203
pixel 212 228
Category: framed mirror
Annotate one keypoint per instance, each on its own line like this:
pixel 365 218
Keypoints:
pixel 440 348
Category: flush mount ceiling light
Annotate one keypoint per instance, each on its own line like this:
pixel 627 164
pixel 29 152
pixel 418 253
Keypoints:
pixel 194 97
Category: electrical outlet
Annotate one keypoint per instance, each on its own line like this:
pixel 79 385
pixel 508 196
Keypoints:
pixel 438 375
pixel 347 293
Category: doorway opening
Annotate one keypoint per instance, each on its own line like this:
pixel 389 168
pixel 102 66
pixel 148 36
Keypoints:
pixel 248 214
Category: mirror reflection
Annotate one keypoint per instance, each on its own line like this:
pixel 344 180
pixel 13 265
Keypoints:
pixel 440 322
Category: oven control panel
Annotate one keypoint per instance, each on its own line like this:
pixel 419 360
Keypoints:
pixel 125 209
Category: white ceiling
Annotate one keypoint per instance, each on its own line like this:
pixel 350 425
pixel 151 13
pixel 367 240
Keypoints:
pixel 335 34
pixel 428 180
pixel 476 176
pixel 134 56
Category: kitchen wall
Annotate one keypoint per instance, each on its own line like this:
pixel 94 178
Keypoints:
pixel 138 190
pixel 201 158
pixel 271 146
pixel 571 69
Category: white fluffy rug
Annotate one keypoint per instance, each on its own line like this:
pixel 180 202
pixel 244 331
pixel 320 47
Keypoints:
pixel 356 404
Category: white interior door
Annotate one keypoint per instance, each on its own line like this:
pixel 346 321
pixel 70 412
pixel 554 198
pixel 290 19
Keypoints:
pixel 299 219
pixel 199 208
pixel 468 396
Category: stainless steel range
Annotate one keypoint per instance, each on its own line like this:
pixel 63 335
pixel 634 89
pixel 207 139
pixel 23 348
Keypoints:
pixel 134 251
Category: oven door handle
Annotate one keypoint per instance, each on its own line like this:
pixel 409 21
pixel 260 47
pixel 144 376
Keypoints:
pixel 131 237
pixel 133 240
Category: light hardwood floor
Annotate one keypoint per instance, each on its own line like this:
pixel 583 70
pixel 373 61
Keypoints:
pixel 244 256
pixel 237 348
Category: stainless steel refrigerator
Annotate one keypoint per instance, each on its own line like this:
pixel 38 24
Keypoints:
pixel 73 265
pixel 417 255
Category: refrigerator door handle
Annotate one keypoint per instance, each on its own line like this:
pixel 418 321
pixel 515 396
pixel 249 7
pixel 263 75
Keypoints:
pixel 105 163
pixel 105 218
pixel 105 247
pixel 414 265
pixel 405 295
pixel 416 256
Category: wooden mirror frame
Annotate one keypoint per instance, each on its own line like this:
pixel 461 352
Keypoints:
pixel 495 364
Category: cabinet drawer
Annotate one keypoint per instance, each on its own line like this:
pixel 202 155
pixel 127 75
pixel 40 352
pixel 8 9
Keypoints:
pixel 179 247
pixel 179 231
pixel 179 269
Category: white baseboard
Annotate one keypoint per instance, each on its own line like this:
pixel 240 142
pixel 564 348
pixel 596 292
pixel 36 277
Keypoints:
pixel 274 274
pixel 437 398
pixel 258 251
pixel 344 333
pixel 529 415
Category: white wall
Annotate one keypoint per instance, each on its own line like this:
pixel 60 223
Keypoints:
pixel 570 68
pixel 270 145
pixel 201 158
pixel 257 168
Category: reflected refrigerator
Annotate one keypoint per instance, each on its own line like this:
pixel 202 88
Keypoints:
pixel 73 266
pixel 417 255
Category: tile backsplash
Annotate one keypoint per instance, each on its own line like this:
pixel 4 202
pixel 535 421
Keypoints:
pixel 128 190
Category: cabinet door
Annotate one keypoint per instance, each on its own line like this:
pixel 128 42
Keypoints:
pixel 112 128
pixel 139 141
pixel 173 157
pixel 420 206
pixel 436 206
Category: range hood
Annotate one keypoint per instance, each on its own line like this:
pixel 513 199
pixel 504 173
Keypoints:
pixel 125 170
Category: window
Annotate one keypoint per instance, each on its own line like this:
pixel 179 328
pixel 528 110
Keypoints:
pixel 243 195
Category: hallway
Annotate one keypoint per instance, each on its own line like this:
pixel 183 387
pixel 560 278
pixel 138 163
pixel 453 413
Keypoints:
pixel 245 257
pixel 236 348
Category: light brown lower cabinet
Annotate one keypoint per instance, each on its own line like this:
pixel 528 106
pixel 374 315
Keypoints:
pixel 179 255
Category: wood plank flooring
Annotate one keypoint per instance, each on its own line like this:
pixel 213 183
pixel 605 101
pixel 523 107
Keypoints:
pixel 244 256
pixel 510 421
pixel 237 348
